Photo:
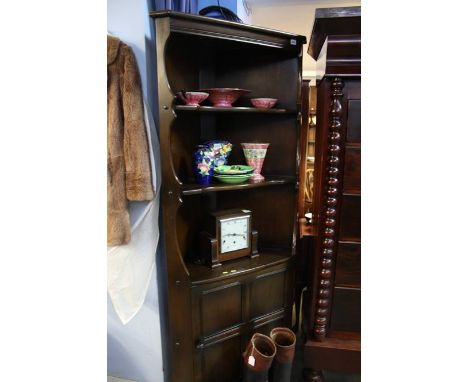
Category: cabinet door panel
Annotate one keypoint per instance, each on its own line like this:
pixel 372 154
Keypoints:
pixel 352 170
pixel 221 308
pixel 354 121
pixel 350 221
pixel 267 294
pixel 346 310
pixel 222 361
pixel 348 265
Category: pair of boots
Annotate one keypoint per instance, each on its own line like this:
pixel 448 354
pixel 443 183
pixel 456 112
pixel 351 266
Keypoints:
pixel 270 359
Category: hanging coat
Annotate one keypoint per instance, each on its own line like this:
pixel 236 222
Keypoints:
pixel 128 163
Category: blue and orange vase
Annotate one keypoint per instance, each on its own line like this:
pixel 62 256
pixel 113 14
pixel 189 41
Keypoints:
pixel 203 164
pixel 221 150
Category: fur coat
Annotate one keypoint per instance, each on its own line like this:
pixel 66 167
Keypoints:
pixel 128 162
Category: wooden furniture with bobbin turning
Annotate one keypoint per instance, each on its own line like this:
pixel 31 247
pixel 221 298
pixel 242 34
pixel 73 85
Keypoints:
pixel 332 310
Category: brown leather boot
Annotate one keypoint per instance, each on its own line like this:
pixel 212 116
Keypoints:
pixel 285 342
pixel 258 358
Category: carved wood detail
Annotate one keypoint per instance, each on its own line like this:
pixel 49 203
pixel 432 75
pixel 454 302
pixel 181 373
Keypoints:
pixel 328 236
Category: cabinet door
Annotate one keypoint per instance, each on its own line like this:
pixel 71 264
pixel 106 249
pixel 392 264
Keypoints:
pixel 217 319
pixel 226 314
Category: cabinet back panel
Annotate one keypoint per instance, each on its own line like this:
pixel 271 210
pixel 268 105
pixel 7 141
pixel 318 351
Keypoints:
pixel 265 214
pixel 270 206
pixel 208 63
pixel 280 132
pixel 191 129
pixel 263 73
pixel 182 65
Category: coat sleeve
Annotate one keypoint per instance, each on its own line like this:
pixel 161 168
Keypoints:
pixel 135 144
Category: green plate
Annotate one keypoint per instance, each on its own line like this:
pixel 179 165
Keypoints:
pixel 233 179
pixel 236 169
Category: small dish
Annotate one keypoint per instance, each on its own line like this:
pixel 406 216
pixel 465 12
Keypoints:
pixel 263 103
pixel 233 179
pixel 233 169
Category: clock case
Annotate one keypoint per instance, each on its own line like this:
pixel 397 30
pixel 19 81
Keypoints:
pixel 210 238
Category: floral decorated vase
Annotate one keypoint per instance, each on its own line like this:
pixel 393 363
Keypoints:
pixel 255 154
pixel 221 151
pixel 203 164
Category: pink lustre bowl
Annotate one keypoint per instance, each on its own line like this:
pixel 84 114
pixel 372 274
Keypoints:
pixel 224 97
pixel 192 98
pixel 264 103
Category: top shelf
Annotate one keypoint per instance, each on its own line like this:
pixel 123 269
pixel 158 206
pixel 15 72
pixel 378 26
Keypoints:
pixel 213 109
pixel 188 24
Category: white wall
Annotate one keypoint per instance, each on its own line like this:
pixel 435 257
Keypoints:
pixel 134 350
pixel 295 16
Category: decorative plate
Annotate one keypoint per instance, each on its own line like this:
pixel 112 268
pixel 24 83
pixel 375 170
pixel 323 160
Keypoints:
pixel 235 169
pixel 233 179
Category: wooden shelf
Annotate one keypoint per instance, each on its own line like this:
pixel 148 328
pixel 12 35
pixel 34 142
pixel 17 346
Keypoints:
pixel 201 274
pixel 213 109
pixel 194 189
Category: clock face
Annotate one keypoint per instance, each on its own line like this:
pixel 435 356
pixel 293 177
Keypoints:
pixel 234 234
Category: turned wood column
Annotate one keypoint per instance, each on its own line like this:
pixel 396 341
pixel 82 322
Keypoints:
pixel 328 232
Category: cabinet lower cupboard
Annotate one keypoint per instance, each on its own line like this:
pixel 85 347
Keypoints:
pixel 225 314
pixel 208 314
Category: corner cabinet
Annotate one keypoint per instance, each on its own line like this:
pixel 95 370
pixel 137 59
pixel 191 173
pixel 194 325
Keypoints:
pixel 333 308
pixel 208 314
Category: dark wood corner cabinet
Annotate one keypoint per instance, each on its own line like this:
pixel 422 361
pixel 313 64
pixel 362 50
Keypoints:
pixel 208 314
pixel 333 309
